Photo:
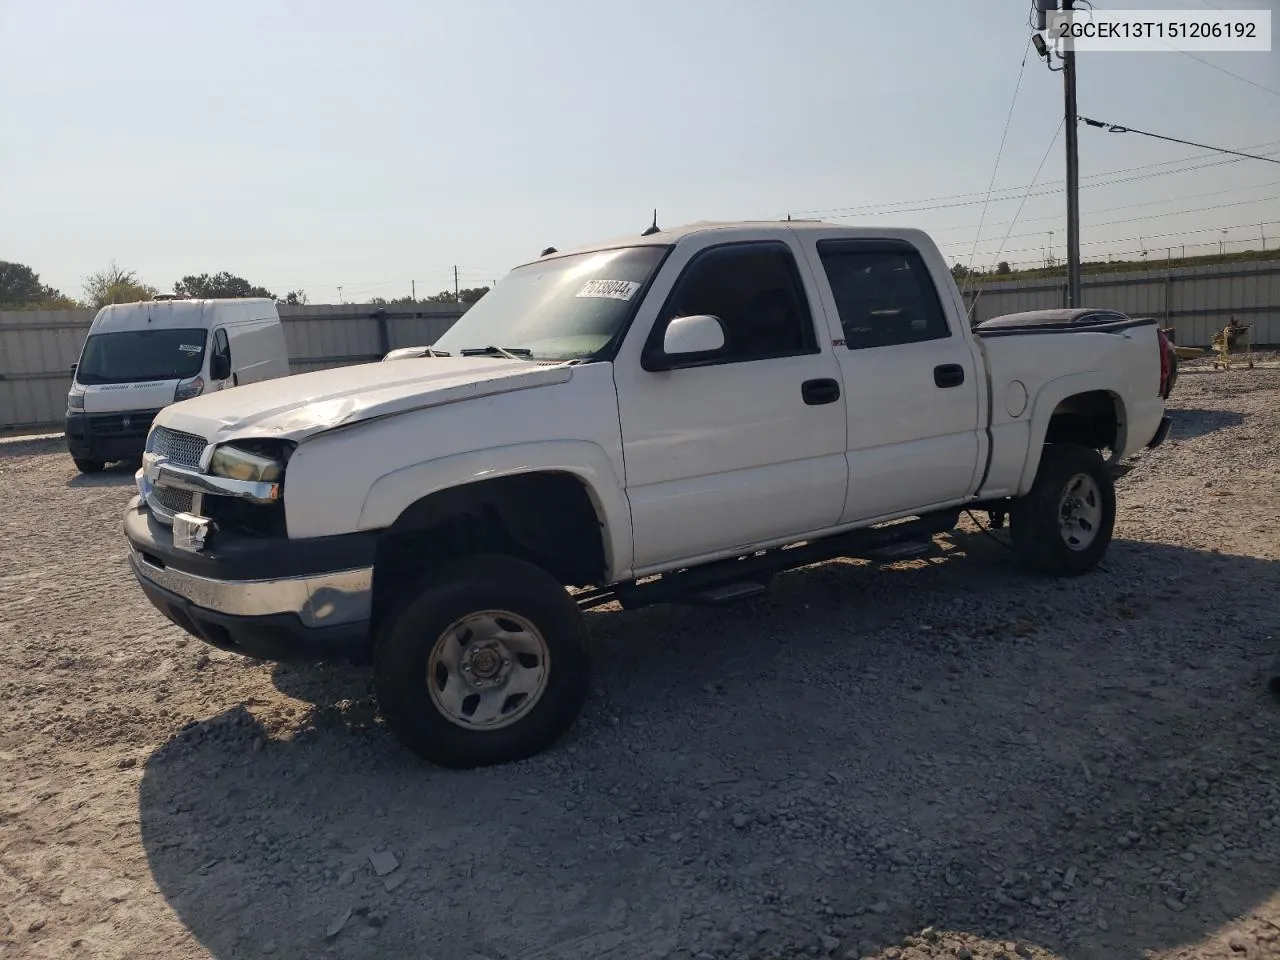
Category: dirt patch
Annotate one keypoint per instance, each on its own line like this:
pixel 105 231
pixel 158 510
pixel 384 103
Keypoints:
pixel 942 758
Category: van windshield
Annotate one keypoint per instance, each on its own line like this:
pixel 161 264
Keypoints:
pixel 558 309
pixel 137 355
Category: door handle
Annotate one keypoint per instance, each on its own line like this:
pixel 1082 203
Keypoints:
pixel 816 392
pixel 948 375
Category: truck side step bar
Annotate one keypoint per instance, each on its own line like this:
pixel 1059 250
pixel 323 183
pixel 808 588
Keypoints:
pixel 749 575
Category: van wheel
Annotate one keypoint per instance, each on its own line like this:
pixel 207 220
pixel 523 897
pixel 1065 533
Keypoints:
pixel 484 663
pixel 88 466
pixel 1063 525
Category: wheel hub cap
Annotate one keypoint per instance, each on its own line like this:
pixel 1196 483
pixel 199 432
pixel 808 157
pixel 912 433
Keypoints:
pixel 1080 512
pixel 488 670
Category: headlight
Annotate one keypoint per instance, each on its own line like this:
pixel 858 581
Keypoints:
pixel 187 389
pixel 75 400
pixel 236 464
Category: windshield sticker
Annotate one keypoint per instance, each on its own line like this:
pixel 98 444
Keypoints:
pixel 188 348
pixel 609 289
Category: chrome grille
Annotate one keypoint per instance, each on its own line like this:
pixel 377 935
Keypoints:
pixel 171 499
pixel 181 448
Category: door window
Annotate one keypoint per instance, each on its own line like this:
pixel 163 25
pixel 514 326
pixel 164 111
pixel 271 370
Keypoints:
pixel 884 294
pixel 755 290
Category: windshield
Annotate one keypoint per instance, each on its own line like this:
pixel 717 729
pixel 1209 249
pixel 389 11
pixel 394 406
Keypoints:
pixel 564 309
pixel 141 355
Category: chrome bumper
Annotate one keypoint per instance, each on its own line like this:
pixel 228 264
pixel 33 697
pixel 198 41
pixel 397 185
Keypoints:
pixel 320 600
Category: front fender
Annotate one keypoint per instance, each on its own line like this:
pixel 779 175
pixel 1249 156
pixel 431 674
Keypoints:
pixel 391 494
pixel 1046 401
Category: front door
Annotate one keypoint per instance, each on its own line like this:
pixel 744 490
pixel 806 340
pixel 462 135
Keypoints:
pixel 220 361
pixel 745 448
pixel 910 375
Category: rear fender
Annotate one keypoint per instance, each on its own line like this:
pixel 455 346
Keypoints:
pixel 1046 402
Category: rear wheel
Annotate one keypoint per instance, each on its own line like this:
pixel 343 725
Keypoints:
pixel 485 663
pixel 1063 525
pixel 88 466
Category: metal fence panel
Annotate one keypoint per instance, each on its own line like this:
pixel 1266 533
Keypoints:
pixel 37 347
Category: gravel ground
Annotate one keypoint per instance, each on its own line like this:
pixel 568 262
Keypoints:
pixel 942 758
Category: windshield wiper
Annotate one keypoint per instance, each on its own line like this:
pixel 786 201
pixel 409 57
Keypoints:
pixel 511 353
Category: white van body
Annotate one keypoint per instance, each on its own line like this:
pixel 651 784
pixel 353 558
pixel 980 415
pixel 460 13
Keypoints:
pixel 140 357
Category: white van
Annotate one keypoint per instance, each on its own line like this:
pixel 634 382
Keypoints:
pixel 140 357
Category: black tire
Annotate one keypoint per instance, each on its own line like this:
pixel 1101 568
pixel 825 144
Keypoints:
pixel 471 585
pixel 1036 520
pixel 88 466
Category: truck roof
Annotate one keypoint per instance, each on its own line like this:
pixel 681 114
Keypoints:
pixel 119 317
pixel 675 234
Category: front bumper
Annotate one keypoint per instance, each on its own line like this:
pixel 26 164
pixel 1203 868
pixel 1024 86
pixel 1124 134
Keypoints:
pixel 269 598
pixel 107 437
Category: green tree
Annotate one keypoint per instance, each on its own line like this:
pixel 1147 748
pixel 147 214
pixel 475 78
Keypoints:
pixel 116 285
pixel 295 297
pixel 220 286
pixel 465 295
pixel 1003 268
pixel 21 289
pixel 959 271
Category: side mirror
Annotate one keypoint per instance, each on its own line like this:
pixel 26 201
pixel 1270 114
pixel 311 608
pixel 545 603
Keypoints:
pixel 687 339
pixel 219 366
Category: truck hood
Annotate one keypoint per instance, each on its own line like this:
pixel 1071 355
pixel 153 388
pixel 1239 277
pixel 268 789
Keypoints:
pixel 296 407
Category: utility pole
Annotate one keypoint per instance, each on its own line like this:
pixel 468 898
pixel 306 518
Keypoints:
pixel 340 300
pixel 455 284
pixel 413 290
pixel 1068 57
pixel 1073 169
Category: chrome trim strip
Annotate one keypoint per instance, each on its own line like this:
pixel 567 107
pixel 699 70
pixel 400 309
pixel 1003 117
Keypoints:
pixel 322 600
pixel 169 474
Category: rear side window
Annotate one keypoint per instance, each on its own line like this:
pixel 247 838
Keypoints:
pixel 884 294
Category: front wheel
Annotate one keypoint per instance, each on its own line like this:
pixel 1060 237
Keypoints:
pixel 485 663
pixel 1063 525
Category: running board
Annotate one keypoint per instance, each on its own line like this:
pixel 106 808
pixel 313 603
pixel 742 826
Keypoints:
pixel 725 580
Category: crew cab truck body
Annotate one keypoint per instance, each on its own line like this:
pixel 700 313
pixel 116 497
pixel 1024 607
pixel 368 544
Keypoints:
pixel 673 417
pixel 140 357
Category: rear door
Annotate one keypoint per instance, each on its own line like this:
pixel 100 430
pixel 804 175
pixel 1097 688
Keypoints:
pixel 910 375
pixel 748 447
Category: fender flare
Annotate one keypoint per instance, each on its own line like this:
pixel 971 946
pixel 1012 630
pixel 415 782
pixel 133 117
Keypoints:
pixel 392 493
pixel 1046 401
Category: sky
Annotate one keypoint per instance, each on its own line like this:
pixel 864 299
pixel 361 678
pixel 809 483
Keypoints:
pixel 325 144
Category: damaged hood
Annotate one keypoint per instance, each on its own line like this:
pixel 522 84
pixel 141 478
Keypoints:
pixel 296 407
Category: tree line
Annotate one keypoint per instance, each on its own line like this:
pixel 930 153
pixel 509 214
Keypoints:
pixel 21 289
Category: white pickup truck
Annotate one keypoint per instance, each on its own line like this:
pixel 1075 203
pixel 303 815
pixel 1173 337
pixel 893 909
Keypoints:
pixel 674 416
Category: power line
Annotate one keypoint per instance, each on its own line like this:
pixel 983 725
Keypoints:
pixel 1123 206
pixel 1041 193
pixel 1000 151
pixel 1061 124
pixel 1207 63
pixel 1015 189
pixel 1160 236
pixel 1116 128
pixel 1154 216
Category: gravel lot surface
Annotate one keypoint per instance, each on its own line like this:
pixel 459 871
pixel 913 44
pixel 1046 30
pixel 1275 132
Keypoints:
pixel 947 758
